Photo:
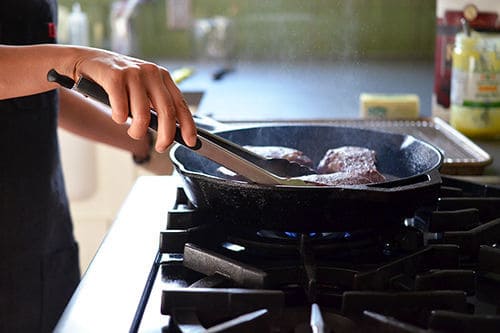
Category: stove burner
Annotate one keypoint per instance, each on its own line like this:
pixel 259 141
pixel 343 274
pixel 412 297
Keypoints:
pixel 284 235
pixel 288 234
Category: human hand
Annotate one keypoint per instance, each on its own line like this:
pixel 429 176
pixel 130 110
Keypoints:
pixel 137 85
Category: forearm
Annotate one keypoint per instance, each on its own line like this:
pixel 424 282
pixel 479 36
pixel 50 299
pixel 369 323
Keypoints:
pixel 133 85
pixel 92 120
pixel 23 69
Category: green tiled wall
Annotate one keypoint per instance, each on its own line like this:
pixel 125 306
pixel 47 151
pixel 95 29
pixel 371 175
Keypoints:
pixel 291 29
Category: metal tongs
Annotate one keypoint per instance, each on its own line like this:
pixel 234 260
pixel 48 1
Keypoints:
pixel 224 152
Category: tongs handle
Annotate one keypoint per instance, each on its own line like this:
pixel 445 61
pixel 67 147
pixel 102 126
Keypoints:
pixel 91 89
pixel 209 145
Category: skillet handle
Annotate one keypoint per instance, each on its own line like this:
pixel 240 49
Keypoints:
pixel 429 179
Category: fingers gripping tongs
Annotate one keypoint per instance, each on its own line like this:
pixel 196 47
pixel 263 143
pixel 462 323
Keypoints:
pixel 224 152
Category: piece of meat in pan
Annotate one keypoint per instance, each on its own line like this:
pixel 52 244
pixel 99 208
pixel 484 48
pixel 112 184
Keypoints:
pixel 287 153
pixel 348 165
pixel 348 159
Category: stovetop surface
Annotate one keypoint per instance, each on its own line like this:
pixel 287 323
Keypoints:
pixel 437 271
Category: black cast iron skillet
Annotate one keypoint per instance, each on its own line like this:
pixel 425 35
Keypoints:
pixel 411 164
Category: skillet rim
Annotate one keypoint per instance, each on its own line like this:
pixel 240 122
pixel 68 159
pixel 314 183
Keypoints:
pixel 180 168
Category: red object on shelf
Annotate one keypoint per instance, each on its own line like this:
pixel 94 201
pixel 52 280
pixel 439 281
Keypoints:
pixel 447 27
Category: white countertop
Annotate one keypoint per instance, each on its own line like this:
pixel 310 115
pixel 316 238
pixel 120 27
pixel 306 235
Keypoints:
pixel 109 293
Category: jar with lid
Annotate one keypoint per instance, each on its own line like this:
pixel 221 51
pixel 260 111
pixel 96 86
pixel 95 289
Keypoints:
pixel 475 85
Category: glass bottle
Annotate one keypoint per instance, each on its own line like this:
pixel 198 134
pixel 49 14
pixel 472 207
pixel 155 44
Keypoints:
pixel 475 84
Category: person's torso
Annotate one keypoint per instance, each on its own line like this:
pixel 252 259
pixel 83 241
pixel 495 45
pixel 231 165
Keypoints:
pixel 38 255
pixel 34 208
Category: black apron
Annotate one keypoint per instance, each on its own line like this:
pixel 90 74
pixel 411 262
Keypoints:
pixel 38 254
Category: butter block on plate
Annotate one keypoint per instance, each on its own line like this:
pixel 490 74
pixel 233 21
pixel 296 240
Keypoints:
pixel 389 106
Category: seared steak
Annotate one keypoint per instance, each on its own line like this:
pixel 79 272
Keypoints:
pixel 347 159
pixel 347 165
pixel 290 154
pixel 286 153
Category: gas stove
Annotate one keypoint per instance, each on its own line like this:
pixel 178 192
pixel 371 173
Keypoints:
pixel 435 271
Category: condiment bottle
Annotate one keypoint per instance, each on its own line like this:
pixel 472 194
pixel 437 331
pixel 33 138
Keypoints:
pixel 475 84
